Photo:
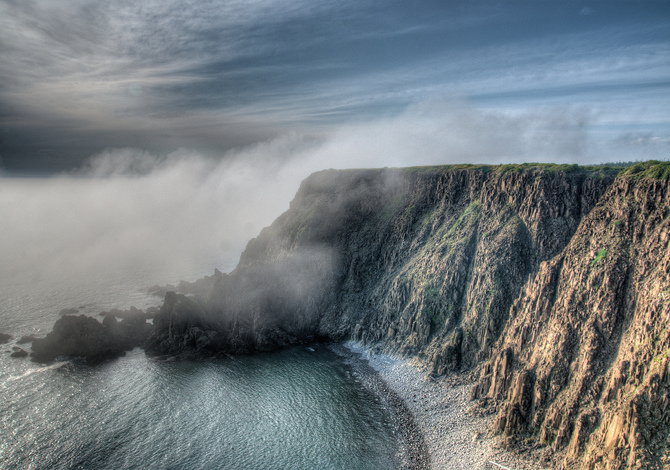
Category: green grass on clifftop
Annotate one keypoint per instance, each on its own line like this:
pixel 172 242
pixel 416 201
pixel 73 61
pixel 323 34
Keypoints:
pixel 651 169
pixel 595 170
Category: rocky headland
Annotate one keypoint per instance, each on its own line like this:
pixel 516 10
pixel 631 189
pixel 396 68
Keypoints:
pixel 546 284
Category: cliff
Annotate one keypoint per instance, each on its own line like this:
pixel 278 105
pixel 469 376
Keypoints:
pixel 548 283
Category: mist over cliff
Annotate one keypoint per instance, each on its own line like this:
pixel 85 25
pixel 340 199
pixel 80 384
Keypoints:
pixel 547 282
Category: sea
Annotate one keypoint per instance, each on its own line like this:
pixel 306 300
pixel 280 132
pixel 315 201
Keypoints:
pixel 303 408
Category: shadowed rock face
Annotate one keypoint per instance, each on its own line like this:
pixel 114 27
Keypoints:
pixel 183 327
pixel 86 337
pixel 420 261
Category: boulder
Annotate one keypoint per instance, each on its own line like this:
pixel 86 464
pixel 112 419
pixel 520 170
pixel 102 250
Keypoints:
pixel 77 336
pixel 26 339
pixel 18 352
pixel 183 328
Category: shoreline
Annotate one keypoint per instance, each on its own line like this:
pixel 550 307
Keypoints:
pixel 412 452
pixel 438 412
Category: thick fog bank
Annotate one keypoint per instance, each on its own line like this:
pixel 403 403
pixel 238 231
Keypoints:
pixel 129 209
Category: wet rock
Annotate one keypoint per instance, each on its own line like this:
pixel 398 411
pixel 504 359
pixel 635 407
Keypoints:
pixel 82 336
pixel 4 338
pixel 19 352
pixel 182 327
pixel 26 339
pixel 76 336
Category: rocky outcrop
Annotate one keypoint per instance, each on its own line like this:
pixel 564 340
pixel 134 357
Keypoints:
pixel 4 338
pixel 182 327
pixel 18 352
pixel 85 337
pixel 26 339
pixel 421 261
pixel 76 336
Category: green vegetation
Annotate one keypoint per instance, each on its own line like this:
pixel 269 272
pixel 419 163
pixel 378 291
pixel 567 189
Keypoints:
pixel 436 322
pixel 448 168
pixel 472 209
pixel 651 169
pixel 599 256
pixel 596 170
pixel 606 169
pixel 663 355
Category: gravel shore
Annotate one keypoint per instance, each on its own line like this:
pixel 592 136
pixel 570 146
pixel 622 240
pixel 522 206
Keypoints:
pixel 453 438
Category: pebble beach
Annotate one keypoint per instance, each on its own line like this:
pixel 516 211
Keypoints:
pixel 454 438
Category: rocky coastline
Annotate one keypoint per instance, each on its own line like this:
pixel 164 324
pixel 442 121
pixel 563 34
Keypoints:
pixel 545 285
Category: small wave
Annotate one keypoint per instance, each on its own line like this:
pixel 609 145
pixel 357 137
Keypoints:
pixel 55 365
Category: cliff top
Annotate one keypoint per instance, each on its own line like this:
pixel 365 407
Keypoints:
pixel 650 169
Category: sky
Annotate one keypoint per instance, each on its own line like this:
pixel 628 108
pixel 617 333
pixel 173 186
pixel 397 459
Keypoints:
pixel 361 83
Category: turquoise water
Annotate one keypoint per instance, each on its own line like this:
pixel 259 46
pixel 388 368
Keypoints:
pixel 291 410
pixel 297 409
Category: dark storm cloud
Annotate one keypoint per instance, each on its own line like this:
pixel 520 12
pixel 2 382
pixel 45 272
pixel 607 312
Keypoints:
pixel 79 76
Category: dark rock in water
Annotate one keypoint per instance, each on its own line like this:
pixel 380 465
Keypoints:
pixel 130 332
pixel 26 339
pixel 184 328
pixel 152 312
pixel 110 321
pixel 4 338
pixel 77 336
pixel 178 322
pixel 82 336
pixel 68 311
pixel 19 352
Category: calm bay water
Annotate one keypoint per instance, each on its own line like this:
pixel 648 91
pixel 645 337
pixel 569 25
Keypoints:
pixel 297 409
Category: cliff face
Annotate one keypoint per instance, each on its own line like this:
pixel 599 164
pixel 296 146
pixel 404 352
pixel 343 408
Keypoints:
pixel 582 365
pixel 551 281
